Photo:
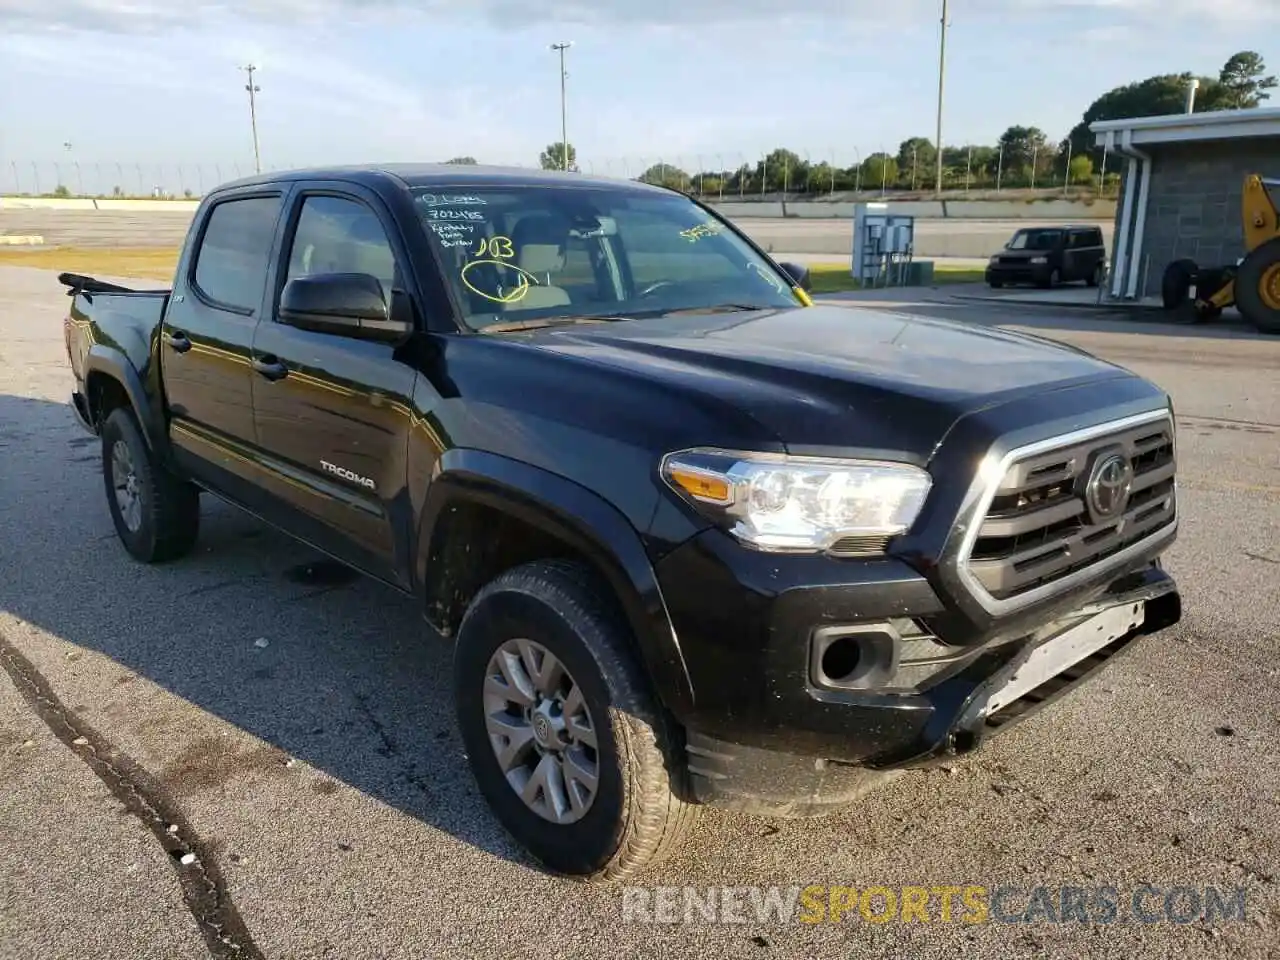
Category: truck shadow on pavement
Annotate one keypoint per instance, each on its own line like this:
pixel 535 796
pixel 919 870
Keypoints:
pixel 323 665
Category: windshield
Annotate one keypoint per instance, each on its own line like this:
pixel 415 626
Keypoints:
pixel 537 253
pixel 1035 240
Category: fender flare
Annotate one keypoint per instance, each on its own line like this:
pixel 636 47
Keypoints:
pixel 583 520
pixel 111 362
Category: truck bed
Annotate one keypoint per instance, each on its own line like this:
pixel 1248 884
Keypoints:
pixel 109 326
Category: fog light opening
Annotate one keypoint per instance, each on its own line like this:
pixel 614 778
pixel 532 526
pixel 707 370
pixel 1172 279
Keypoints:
pixel 963 741
pixel 841 659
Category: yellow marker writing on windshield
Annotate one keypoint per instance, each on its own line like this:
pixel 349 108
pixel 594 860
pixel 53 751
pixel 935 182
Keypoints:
pixel 769 278
pixel 803 296
pixel 517 293
pixel 693 234
pixel 499 247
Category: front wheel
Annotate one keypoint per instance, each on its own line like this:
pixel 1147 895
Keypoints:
pixel 156 515
pixel 564 739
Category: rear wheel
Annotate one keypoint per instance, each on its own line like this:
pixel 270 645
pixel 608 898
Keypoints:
pixel 1175 284
pixel 565 741
pixel 156 515
pixel 1258 287
pixel 1096 277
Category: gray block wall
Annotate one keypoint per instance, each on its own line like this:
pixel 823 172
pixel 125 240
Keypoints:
pixel 1194 208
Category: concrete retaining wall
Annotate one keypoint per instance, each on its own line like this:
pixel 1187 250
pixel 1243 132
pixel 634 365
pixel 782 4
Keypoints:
pixel 1052 210
pixel 92 203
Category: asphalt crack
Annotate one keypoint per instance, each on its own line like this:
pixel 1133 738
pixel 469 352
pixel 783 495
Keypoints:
pixel 203 888
pixel 406 770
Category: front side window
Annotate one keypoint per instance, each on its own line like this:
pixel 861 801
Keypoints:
pixel 231 264
pixel 1036 240
pixel 528 253
pixel 338 235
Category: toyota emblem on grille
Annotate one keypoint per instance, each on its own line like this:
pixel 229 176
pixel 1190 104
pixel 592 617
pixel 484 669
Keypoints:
pixel 1107 492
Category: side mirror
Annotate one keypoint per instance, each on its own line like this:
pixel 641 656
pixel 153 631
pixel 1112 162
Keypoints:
pixel 346 304
pixel 799 275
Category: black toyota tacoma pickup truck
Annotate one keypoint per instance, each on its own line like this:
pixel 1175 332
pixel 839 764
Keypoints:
pixel 696 539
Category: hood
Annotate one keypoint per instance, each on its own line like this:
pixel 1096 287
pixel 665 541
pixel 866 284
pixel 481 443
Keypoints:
pixel 827 377
pixel 1022 254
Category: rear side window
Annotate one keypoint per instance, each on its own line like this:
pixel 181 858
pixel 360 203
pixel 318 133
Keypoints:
pixel 231 264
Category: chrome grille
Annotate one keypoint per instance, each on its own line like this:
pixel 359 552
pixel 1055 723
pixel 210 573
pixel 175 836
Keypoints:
pixel 1039 526
pixel 858 546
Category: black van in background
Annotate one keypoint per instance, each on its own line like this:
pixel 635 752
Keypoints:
pixel 1048 256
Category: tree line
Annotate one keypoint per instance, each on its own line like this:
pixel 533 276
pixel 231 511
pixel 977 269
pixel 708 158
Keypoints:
pixel 1024 156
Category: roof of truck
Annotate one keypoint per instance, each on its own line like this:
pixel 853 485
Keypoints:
pixel 445 175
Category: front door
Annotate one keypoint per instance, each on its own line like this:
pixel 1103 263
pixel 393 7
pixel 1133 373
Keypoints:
pixel 207 334
pixel 333 412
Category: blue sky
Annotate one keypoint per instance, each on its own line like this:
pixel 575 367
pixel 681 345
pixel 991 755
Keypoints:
pixel 156 81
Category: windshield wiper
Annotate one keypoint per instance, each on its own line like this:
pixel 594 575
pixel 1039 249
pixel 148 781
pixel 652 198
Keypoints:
pixel 717 308
pixel 541 322
pixel 512 325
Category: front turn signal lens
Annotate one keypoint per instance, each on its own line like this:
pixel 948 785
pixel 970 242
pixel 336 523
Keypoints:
pixel 702 486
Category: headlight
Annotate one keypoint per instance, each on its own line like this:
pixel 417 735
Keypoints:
pixel 802 504
pixel 1039 259
pixel 994 259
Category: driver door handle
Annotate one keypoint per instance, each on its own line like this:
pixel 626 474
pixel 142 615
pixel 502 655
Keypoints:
pixel 178 341
pixel 270 367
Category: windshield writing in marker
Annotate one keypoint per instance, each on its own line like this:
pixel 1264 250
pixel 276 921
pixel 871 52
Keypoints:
pixel 451 200
pixel 446 213
pixel 499 247
pixel 767 277
pixel 696 233
pixel 453 234
pixel 502 295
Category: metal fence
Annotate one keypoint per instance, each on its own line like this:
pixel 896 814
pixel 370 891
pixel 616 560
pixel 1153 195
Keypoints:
pixel 727 175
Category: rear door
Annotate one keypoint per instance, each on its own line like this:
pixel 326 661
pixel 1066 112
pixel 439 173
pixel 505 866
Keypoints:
pixel 332 411
pixel 207 333
pixel 1096 249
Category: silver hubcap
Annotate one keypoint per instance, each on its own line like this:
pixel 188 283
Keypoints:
pixel 125 481
pixel 541 731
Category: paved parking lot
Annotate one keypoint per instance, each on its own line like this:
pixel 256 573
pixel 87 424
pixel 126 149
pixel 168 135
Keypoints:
pixel 251 754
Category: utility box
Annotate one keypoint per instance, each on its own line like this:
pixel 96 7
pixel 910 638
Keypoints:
pixel 882 243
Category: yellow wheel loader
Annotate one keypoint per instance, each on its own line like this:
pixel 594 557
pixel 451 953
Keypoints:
pixel 1252 284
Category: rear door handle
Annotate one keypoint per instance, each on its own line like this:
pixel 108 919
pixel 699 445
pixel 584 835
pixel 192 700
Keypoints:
pixel 270 367
pixel 178 341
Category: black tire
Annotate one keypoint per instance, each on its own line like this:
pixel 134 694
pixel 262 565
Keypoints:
pixel 1052 281
pixel 1095 278
pixel 168 515
pixel 996 284
pixel 1250 275
pixel 1175 283
pixel 638 814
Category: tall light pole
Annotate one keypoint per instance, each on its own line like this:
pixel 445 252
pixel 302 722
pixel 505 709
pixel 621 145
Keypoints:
pixel 942 72
pixel 253 114
pixel 564 126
